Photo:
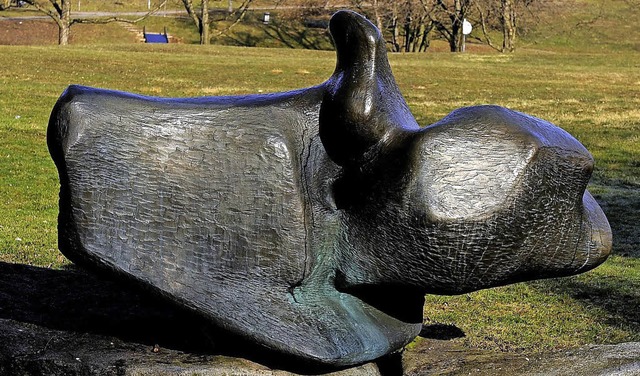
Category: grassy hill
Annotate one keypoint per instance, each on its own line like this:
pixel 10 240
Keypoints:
pixel 583 78
pixel 586 25
pixel 583 25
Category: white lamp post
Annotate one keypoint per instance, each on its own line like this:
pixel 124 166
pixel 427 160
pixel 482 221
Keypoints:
pixel 466 30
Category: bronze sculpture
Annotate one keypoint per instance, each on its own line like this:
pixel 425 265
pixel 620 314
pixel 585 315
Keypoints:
pixel 314 221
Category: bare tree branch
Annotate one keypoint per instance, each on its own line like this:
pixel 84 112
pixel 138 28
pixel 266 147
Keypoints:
pixel 42 9
pixel 188 5
pixel 107 20
pixel 243 10
pixel 483 24
pixel 56 6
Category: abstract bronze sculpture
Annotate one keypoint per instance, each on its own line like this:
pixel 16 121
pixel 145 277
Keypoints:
pixel 313 222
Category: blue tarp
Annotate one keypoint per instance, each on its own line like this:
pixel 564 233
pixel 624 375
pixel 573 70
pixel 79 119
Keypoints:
pixel 156 38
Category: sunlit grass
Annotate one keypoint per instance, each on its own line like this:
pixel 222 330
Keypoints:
pixel 594 96
pixel 597 307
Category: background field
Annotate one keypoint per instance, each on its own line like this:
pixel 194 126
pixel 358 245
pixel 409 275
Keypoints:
pixel 585 79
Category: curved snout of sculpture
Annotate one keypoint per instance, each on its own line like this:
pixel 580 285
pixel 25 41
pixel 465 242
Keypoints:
pixel 487 197
pixel 492 197
pixel 502 198
pixel 598 240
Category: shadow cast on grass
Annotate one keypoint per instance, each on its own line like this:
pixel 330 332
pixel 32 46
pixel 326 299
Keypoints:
pixel 74 300
pixel 621 204
pixel 611 294
pixel 297 36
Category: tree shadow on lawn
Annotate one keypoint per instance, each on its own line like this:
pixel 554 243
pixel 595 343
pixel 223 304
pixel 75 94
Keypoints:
pixel 621 204
pixel 621 305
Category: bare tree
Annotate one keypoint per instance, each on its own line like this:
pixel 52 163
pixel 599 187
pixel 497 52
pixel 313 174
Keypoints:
pixel 375 4
pixel 60 12
pixel 506 17
pixel 486 11
pixel 407 22
pixel 448 16
pixel 202 21
pixel 508 23
pixel 416 26
pixel 411 22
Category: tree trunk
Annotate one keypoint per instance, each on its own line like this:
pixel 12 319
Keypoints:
pixel 376 14
pixel 197 19
pixel 61 14
pixel 424 43
pixel 204 23
pixel 455 42
pixel 64 24
pixel 508 19
pixel 408 37
pixel 425 29
pixel 394 35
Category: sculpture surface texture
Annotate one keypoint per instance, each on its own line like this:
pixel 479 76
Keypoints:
pixel 313 222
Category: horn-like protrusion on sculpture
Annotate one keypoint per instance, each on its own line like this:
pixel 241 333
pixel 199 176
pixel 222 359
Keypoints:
pixel 362 106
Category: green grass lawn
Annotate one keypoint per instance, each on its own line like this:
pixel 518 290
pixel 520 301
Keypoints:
pixel 595 96
pixel 586 81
